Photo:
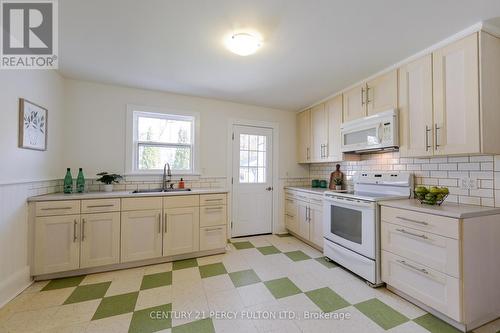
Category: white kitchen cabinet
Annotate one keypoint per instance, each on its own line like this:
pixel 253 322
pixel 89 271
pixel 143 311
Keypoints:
pixel 100 239
pixel 456 97
pixel 304 136
pixel 291 213
pixel 57 243
pixel 316 224
pixel 319 133
pixel 303 219
pixel 212 238
pixel 382 93
pixel 415 108
pixel 213 215
pixel 354 101
pixel 181 230
pixel 333 110
pixel 141 235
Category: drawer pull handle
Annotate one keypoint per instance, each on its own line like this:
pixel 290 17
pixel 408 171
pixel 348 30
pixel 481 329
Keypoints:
pixel 165 226
pixel 75 238
pixel 159 223
pixel 289 200
pixel 412 234
pixel 100 206
pixel 56 208
pixel 421 270
pixel 212 199
pixel 83 229
pixel 410 220
pixel 289 215
pixel 213 208
pixel 214 229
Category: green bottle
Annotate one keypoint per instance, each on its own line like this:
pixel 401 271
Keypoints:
pixel 68 181
pixel 80 182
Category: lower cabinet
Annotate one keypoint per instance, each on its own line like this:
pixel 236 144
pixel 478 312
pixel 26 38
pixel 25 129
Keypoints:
pixel 316 224
pixel 141 235
pixel 181 230
pixel 303 219
pixel 100 239
pixel 57 244
pixel 212 238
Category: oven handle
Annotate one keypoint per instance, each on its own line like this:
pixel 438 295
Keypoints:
pixel 349 202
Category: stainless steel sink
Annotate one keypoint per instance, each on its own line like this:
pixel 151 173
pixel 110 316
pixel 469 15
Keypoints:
pixel 159 190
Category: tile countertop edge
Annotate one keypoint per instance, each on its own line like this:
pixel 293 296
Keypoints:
pixel 308 189
pixel 453 210
pixel 119 194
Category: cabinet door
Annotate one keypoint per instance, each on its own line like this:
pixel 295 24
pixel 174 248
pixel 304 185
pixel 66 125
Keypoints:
pixel 382 93
pixel 456 97
pixel 181 230
pixel 212 238
pixel 100 239
pixel 415 108
pixel 333 110
pixel 316 225
pixel 141 233
pixel 57 244
pixel 291 218
pixel 319 131
pixel 303 219
pixel 304 136
pixel 354 103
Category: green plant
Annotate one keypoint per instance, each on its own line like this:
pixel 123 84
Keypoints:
pixel 338 181
pixel 109 178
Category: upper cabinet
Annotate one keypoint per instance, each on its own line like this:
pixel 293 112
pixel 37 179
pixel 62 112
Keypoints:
pixel 382 93
pixel 355 103
pixel 304 136
pixel 449 100
pixel 333 110
pixel 319 133
pixel 415 108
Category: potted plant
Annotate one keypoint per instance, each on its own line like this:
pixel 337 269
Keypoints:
pixel 338 183
pixel 108 179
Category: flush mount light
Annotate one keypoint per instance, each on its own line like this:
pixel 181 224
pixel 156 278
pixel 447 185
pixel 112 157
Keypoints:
pixel 243 44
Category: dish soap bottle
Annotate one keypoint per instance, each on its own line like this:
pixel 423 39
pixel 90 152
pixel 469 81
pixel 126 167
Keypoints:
pixel 80 182
pixel 68 182
pixel 181 183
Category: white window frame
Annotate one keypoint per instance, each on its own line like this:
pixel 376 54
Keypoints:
pixel 132 142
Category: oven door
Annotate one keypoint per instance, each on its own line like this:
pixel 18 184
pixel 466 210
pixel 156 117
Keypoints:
pixel 351 224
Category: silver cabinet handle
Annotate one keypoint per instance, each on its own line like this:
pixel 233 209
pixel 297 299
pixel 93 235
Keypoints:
pixel 75 238
pixel 413 221
pixel 368 94
pixel 362 96
pixel 326 150
pixel 214 229
pixel 427 130
pixel 307 153
pixel 56 208
pixel 100 206
pixel 83 229
pixel 289 215
pixel 159 223
pixel 214 208
pixel 412 234
pixel 291 200
pixel 421 270
pixel 436 128
pixel 213 199
pixel 165 223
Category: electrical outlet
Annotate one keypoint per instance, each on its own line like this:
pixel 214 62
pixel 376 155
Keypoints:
pixel 467 183
pixel 472 184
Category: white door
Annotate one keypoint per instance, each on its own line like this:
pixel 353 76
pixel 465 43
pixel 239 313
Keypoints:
pixel 141 235
pixel 57 244
pixel 100 239
pixel 182 231
pixel 252 181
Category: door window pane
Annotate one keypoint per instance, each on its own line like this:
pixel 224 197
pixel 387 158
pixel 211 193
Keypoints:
pixel 252 158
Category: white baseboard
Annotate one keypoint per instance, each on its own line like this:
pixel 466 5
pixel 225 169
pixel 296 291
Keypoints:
pixel 14 285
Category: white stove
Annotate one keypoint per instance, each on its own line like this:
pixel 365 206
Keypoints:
pixel 351 221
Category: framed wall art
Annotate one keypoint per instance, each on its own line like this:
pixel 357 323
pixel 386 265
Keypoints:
pixel 32 125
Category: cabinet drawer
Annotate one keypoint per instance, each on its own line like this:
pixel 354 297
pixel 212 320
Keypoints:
pixel 212 199
pixel 316 200
pixel 290 206
pixel 437 252
pixel 100 206
pixel 436 290
pixel 212 238
pixel 291 222
pixel 435 224
pixel 181 201
pixel 129 204
pixel 52 208
pixel 213 215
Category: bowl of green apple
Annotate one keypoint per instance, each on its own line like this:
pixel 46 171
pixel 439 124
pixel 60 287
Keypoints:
pixel 431 195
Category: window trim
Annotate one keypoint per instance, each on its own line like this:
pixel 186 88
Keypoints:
pixel 132 143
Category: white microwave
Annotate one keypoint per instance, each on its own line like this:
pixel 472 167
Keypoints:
pixel 372 133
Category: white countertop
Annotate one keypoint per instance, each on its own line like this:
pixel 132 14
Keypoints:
pixel 121 194
pixel 448 209
pixel 308 189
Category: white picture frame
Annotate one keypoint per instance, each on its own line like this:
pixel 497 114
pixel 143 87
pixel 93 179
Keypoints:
pixel 33 126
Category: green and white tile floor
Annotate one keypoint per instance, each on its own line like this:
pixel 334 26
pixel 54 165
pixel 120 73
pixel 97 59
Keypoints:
pixel 259 278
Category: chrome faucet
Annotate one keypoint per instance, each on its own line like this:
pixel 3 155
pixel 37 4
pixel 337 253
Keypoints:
pixel 167 173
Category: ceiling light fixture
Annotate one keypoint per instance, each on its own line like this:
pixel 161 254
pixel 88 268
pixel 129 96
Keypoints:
pixel 243 44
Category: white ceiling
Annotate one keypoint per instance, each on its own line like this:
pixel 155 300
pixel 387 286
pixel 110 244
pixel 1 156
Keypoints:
pixel 312 48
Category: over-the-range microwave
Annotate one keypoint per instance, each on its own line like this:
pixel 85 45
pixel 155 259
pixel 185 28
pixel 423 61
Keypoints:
pixel 372 133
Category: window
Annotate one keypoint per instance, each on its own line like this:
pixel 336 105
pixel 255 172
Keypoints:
pixel 159 138
pixel 252 158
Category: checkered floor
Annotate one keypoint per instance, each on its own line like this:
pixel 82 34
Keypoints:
pixel 262 284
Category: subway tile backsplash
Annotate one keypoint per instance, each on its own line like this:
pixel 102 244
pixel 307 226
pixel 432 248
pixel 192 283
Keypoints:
pixel 439 171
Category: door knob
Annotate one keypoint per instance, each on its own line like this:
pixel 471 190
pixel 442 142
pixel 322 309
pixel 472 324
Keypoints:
pixel 270 188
